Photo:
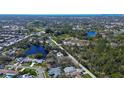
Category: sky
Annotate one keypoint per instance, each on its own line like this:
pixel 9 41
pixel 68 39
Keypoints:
pixel 61 6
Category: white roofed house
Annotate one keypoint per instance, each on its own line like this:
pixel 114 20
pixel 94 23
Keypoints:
pixel 69 70
pixel 72 71
pixel 1 48
pixel 54 72
pixel 59 57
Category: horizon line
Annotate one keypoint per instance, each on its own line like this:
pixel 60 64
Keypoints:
pixel 69 14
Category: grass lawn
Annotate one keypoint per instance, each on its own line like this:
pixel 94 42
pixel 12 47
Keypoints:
pixel 61 37
pixel 26 64
pixel 86 76
pixel 46 74
pixel 29 71
pixel 43 64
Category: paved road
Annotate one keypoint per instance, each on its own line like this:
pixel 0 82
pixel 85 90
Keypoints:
pixel 74 60
pixel 41 73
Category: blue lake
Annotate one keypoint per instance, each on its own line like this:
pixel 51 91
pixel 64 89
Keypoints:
pixel 91 34
pixel 34 49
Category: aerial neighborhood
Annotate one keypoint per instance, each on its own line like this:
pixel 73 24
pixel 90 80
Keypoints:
pixel 39 46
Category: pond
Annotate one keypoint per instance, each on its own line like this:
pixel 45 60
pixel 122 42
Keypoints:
pixel 91 34
pixel 35 49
